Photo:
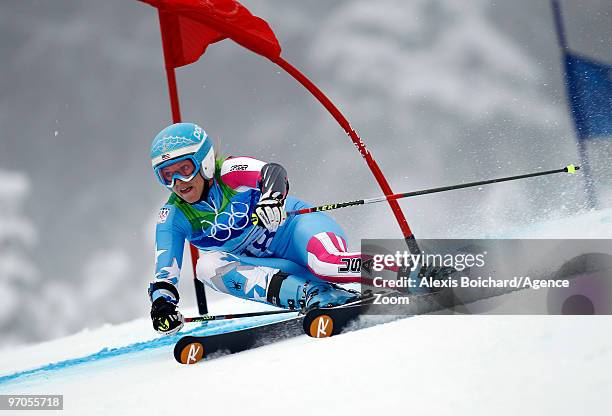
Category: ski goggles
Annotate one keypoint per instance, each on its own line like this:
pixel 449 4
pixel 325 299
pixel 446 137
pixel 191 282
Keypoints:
pixel 184 168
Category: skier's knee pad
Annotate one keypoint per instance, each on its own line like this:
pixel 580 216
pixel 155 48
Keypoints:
pixel 329 260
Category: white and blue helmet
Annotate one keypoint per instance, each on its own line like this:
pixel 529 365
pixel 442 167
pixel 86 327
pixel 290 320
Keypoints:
pixel 182 141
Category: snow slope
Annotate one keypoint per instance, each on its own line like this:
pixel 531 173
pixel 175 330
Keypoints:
pixel 436 364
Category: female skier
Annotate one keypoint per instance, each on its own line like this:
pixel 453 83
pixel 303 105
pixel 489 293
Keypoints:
pixel 287 262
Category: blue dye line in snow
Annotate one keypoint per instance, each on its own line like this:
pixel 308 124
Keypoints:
pixel 208 329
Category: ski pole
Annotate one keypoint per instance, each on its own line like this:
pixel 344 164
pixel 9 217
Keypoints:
pixel 328 207
pixel 206 318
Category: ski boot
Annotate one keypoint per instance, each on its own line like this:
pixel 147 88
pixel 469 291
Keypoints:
pixel 294 292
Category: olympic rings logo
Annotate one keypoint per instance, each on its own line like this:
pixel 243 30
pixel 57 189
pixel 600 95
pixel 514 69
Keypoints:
pixel 236 220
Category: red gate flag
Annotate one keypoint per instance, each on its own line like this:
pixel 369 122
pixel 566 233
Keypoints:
pixel 189 26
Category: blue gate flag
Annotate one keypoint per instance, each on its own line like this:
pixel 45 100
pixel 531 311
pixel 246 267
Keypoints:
pixel 590 90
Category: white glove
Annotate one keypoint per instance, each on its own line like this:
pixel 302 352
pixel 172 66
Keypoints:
pixel 270 210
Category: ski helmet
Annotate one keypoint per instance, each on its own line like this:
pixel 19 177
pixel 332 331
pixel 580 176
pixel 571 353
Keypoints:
pixel 182 141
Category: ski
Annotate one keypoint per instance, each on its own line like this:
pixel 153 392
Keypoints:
pixel 326 322
pixel 191 349
pixel 317 323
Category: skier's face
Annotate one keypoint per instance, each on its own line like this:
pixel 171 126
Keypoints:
pixel 191 191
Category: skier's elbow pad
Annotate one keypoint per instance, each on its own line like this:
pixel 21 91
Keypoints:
pixel 163 289
pixel 274 179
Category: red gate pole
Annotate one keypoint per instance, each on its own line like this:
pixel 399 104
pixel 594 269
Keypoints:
pixel 176 118
pixel 365 153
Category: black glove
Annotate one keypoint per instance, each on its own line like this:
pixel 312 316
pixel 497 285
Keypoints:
pixel 166 319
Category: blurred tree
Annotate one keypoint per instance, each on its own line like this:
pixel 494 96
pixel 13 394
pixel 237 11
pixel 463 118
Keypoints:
pixel 18 275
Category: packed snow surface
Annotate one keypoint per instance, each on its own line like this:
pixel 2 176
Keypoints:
pixel 434 364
